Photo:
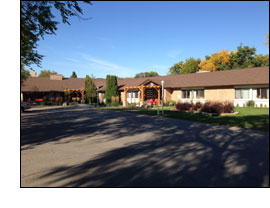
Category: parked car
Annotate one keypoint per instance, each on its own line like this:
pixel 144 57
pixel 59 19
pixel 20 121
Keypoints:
pixel 25 105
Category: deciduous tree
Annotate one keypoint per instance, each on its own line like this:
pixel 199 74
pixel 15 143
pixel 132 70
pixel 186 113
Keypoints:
pixel 37 20
pixel 176 68
pixel 46 73
pixel 146 74
pixel 190 66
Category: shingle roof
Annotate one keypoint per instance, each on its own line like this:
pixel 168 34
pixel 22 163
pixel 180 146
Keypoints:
pixel 249 76
pixel 45 84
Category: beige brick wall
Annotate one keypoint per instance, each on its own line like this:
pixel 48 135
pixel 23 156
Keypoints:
pixel 219 94
pixel 167 95
pixel 175 95
pixel 122 95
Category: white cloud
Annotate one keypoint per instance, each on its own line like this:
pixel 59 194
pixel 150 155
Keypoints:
pixel 104 67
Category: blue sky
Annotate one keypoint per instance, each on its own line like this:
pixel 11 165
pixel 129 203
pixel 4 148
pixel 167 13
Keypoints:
pixel 125 38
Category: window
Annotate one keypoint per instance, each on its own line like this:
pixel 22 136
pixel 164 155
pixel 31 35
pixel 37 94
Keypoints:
pixel 262 93
pixel 185 94
pixel 241 93
pixel 132 95
pixel 199 94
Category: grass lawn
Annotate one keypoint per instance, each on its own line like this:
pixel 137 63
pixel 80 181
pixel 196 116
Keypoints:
pixel 254 118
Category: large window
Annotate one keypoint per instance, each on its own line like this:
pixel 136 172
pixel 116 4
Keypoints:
pixel 262 93
pixel 241 93
pixel 199 94
pixel 185 94
pixel 132 95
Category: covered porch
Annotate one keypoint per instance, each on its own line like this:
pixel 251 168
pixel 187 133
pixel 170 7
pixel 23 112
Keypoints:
pixel 142 94
pixel 76 95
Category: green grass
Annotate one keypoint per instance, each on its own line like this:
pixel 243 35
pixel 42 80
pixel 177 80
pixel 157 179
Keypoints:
pixel 253 118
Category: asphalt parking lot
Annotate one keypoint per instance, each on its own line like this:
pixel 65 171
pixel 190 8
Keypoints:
pixel 88 147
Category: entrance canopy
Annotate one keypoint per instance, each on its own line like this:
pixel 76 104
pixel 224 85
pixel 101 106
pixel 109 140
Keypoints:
pixel 143 87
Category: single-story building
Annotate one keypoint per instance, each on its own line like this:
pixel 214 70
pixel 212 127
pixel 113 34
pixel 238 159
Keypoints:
pixel 237 86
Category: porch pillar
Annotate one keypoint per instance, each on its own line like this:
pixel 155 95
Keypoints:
pixel 158 96
pixel 125 97
pixel 82 92
pixel 142 93
pixel 68 94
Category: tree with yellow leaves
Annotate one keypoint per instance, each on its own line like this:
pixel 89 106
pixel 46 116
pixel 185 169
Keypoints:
pixel 207 65
pixel 267 40
pixel 217 61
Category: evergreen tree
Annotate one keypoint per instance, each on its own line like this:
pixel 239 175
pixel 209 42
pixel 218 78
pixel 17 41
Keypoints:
pixel 90 89
pixel 74 75
pixel 111 88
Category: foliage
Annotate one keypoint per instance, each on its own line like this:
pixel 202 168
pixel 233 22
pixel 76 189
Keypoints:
pixel 90 89
pixel 190 66
pixel 228 107
pixel 217 107
pixel 176 68
pixel 24 74
pixel 207 65
pixel 243 57
pixel 261 60
pixel 267 40
pixel 74 75
pixel 37 20
pixel 212 107
pixel 216 62
pixel 250 103
pixel 46 102
pixel 172 103
pixel 46 73
pixel 183 106
pixel 146 74
pixel 197 106
pixel 111 88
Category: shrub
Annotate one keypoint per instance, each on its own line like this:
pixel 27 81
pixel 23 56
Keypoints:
pixel 59 100
pixel 250 103
pixel 102 104
pixel 131 105
pixel 213 107
pixel 114 104
pixel 172 103
pixel 197 106
pixel 228 107
pixel 46 102
pixel 183 106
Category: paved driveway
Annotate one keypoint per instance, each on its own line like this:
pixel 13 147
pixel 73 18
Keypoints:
pixel 86 147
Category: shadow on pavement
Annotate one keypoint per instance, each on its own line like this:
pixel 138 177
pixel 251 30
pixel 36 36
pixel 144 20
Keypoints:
pixel 180 153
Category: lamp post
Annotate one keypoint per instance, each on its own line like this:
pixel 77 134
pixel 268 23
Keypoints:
pixel 97 97
pixel 162 95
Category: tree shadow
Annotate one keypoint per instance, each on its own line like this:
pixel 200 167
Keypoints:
pixel 179 154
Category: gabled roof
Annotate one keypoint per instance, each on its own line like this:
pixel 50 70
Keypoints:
pixel 249 76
